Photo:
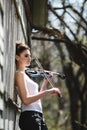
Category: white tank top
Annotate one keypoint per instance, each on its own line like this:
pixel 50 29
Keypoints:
pixel 32 87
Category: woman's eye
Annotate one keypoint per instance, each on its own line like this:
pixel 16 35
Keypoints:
pixel 27 55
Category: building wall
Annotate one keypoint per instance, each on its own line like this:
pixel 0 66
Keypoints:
pixel 13 26
pixel 1 63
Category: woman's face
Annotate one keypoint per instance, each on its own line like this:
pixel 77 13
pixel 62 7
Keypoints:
pixel 24 58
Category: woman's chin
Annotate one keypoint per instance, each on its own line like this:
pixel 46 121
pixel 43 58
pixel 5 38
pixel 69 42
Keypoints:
pixel 27 65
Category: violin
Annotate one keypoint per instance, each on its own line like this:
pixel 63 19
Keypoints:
pixel 42 74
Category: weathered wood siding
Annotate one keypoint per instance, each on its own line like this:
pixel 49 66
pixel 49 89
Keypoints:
pixel 1 63
pixel 13 26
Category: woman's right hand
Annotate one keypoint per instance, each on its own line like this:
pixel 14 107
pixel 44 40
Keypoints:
pixel 55 91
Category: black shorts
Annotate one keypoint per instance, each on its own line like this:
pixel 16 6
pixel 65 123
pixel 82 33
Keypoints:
pixel 31 120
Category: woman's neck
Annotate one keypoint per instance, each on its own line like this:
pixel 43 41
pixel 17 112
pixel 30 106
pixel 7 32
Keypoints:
pixel 20 68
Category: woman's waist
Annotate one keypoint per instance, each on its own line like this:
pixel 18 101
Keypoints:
pixel 36 106
pixel 31 113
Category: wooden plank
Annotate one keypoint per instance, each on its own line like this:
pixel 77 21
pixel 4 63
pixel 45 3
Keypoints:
pixel 22 17
pixel 1 124
pixel 1 87
pixel 1 31
pixel 2 44
pixel 1 59
pixel 2 4
pixel 1 104
pixel 11 125
pixel 6 124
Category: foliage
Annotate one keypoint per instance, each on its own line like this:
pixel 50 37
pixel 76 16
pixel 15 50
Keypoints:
pixel 67 29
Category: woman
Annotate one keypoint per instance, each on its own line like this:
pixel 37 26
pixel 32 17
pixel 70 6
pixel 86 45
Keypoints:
pixel 31 117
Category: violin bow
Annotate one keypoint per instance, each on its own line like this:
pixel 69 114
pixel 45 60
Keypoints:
pixel 50 81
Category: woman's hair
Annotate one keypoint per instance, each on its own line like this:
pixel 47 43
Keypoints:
pixel 20 47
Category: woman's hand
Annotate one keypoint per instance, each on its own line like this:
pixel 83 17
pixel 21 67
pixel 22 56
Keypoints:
pixel 55 91
pixel 46 80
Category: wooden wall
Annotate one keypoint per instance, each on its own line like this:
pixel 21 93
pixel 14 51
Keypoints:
pixel 1 63
pixel 13 26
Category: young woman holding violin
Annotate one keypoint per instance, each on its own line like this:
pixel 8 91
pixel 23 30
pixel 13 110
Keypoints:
pixel 31 117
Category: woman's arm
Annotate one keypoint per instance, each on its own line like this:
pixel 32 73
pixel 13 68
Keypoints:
pixel 44 84
pixel 24 93
pixel 55 90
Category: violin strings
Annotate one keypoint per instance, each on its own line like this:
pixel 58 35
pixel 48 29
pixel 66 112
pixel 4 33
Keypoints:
pixel 40 66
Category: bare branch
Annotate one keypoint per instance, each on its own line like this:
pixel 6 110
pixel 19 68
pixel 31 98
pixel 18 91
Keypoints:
pixel 50 31
pixel 53 11
pixel 79 14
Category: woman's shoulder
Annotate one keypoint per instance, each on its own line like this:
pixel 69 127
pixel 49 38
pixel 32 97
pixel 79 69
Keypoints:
pixel 19 77
pixel 19 74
